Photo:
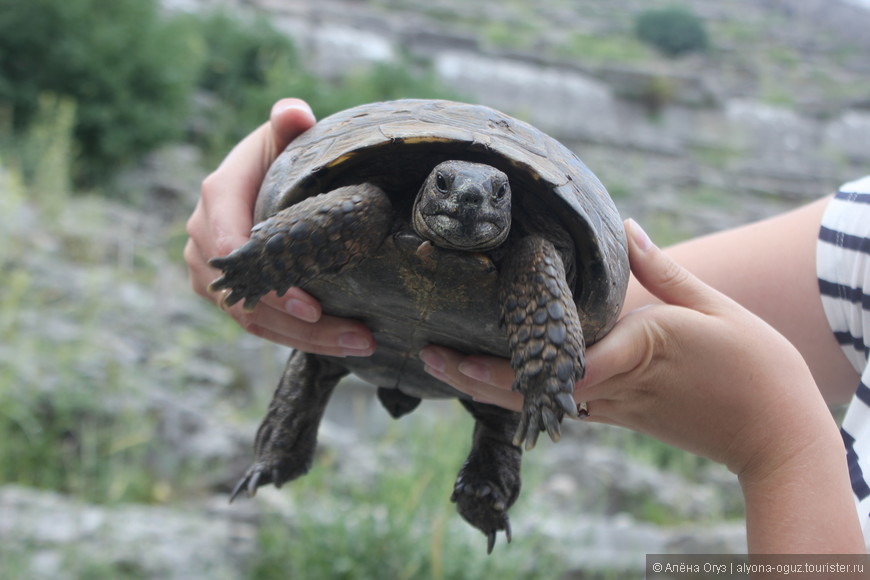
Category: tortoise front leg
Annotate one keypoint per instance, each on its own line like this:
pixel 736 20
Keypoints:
pixel 287 437
pixel 319 236
pixel 546 339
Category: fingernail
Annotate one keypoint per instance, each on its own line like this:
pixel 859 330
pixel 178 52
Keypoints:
pixel 354 341
pixel 301 310
pixel 475 370
pixel 433 360
pixel 356 353
pixel 640 237
pixel 441 376
pixel 288 104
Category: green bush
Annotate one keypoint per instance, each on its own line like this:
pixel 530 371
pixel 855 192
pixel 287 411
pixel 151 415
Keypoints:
pixel 385 81
pixel 249 65
pixel 673 30
pixel 129 71
pixel 131 74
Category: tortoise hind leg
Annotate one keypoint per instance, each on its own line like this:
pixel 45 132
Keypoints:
pixel 319 236
pixel 287 437
pixel 545 336
pixel 489 482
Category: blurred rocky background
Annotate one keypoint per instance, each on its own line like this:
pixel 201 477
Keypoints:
pixel 128 405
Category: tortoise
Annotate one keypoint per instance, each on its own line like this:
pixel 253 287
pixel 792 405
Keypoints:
pixel 434 222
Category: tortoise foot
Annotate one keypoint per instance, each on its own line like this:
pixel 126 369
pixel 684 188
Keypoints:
pixel 282 456
pixel 484 506
pixel 319 236
pixel 489 482
pixel 242 277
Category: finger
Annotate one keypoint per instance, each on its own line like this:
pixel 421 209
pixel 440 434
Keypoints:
pixel 248 161
pixel 229 193
pixel 444 364
pixel 288 119
pixel 630 346
pixel 296 302
pixel 329 335
pixel 663 277
pixel 493 371
pixel 604 411
pixel 480 369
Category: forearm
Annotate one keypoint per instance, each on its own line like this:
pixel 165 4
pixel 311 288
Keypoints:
pixel 769 268
pixel 804 506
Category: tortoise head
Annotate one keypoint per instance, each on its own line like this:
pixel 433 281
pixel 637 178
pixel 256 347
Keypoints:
pixel 464 206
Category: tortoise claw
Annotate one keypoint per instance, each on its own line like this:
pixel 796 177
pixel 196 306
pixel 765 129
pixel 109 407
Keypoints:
pixel 533 421
pixel 249 482
pixel 242 484
pixel 551 423
pixel 566 403
pixel 491 536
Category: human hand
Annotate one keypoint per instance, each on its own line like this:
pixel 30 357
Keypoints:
pixel 702 373
pixel 698 372
pixel 222 221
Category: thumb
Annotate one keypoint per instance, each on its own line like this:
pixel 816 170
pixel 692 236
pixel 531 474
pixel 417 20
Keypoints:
pixel 662 276
pixel 289 118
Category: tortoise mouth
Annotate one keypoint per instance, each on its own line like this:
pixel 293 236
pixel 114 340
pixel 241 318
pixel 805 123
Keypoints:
pixel 457 232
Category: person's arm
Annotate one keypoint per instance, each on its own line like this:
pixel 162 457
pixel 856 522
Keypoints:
pixel 726 385
pixel 222 222
pixel 805 506
pixel 769 267
pixel 700 372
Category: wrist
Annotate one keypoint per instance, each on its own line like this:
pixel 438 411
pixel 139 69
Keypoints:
pixel 802 503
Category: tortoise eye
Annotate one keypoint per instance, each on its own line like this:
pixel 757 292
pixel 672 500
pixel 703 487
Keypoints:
pixel 501 192
pixel 441 182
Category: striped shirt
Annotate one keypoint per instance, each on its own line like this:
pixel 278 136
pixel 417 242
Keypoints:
pixel 843 267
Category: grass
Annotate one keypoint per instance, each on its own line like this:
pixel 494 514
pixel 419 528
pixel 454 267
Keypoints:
pixel 513 35
pixel 599 49
pixel 399 525
pixel 74 416
pixel 719 156
pixel 74 412
pixel 63 420
pixel 73 396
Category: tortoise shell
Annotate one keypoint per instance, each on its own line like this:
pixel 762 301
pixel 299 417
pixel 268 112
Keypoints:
pixel 446 297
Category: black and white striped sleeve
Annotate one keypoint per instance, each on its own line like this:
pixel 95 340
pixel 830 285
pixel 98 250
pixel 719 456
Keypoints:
pixel 843 267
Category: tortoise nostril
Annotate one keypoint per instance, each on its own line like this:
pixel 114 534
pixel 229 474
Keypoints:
pixel 471 198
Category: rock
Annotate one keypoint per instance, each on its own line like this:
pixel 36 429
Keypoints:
pixel 46 535
pixel 619 544
pixel 604 480
pixel 96 307
pixel 166 183
pixel 708 117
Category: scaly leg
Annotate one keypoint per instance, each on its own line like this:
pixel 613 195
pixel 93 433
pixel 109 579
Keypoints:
pixel 546 340
pixel 287 437
pixel 489 482
pixel 319 236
